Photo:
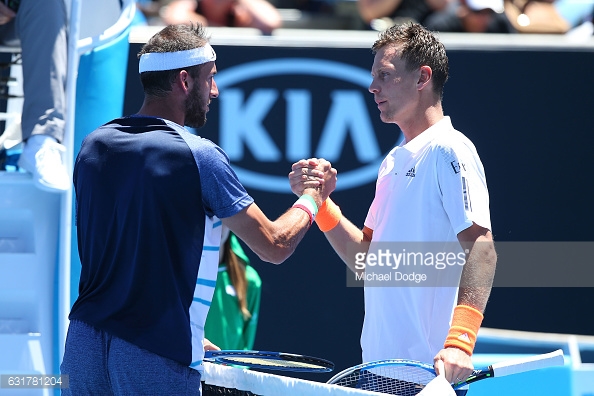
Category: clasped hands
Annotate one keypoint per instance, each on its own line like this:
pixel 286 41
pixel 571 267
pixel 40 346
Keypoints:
pixel 316 175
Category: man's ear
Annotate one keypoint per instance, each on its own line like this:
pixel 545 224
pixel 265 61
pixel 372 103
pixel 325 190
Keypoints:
pixel 183 78
pixel 424 76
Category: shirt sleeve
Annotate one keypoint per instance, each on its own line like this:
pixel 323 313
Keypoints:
pixel 463 187
pixel 223 195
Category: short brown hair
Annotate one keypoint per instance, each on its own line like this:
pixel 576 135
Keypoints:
pixel 418 47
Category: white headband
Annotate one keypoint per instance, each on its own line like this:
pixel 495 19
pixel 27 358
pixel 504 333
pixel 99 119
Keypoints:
pixel 159 61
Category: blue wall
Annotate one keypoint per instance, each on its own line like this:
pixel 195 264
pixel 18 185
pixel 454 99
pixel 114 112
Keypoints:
pixel 99 98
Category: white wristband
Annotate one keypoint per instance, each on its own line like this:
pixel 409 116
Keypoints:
pixel 307 203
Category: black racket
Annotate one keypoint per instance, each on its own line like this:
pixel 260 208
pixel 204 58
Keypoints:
pixel 269 360
pixel 409 377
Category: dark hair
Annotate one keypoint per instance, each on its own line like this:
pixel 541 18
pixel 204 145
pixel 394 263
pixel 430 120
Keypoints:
pixel 418 47
pixel 172 38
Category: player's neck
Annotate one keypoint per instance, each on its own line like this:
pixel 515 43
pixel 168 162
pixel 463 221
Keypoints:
pixel 166 109
pixel 420 121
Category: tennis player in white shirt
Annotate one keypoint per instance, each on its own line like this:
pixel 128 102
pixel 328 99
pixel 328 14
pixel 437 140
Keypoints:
pixel 431 188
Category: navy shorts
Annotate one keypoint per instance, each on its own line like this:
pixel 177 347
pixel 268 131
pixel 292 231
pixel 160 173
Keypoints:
pixel 100 364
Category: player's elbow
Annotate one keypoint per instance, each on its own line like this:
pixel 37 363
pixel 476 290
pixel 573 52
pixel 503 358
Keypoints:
pixel 277 252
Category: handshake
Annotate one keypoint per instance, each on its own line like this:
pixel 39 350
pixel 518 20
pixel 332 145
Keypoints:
pixel 316 176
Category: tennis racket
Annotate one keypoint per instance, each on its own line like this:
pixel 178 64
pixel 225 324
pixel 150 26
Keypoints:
pixel 409 377
pixel 269 360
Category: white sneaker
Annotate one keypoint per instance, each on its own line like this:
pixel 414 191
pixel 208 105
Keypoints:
pixel 42 156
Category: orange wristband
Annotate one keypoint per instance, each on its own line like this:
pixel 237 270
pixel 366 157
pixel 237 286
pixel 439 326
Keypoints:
pixel 328 216
pixel 465 326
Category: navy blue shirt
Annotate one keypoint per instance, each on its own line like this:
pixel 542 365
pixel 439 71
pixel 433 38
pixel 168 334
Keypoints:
pixel 142 197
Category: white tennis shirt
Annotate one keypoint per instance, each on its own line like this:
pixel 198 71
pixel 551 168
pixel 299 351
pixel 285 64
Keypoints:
pixel 428 189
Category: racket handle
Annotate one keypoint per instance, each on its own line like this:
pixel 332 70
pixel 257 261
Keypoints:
pixel 527 364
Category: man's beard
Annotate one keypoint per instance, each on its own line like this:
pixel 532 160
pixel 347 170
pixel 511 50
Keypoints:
pixel 195 113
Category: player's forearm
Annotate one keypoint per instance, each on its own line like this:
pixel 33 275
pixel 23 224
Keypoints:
pixel 478 273
pixel 347 240
pixel 475 286
pixel 272 241
pixel 284 235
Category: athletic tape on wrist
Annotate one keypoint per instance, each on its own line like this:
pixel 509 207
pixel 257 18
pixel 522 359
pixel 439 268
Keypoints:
pixel 465 326
pixel 329 215
pixel 307 204
pixel 314 205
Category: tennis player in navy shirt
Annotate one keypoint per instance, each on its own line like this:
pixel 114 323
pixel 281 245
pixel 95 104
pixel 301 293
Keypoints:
pixel 151 199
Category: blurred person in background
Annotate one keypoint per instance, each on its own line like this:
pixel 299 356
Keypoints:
pixel 472 16
pixel 578 13
pixel 259 14
pixel 381 14
pixel 39 28
pixel 536 16
pixel 233 315
pixel 150 11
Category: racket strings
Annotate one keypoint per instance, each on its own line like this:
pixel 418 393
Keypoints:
pixel 392 380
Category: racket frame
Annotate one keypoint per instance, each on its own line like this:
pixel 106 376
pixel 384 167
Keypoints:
pixel 500 369
pixel 227 357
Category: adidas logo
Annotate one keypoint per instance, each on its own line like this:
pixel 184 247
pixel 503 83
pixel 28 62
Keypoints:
pixel 464 337
pixel 411 172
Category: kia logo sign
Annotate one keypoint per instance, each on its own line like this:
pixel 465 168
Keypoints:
pixel 274 112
